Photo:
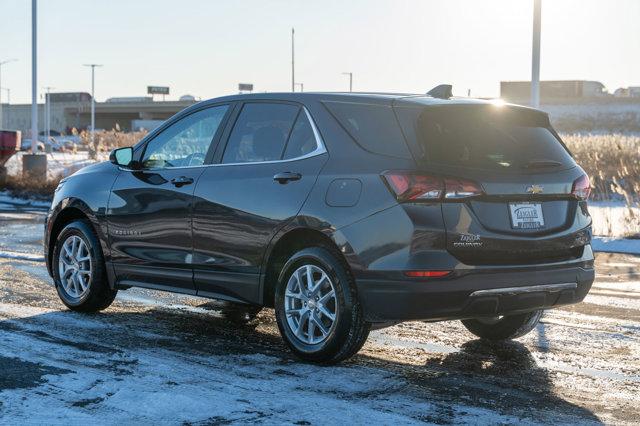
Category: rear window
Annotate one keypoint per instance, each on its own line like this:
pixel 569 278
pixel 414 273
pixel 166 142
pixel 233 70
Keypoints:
pixel 485 137
pixel 374 127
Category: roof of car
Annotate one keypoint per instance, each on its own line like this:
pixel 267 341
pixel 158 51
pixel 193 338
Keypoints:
pixel 350 96
pixel 396 99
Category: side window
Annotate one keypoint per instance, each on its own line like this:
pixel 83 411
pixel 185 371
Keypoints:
pixel 373 126
pixel 185 142
pixel 260 133
pixel 302 140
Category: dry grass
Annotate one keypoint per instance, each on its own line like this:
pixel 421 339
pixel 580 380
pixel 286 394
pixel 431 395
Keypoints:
pixel 21 187
pixel 612 161
pixel 107 140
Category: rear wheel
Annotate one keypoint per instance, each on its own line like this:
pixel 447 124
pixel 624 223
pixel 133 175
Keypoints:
pixel 317 308
pixel 78 269
pixel 503 327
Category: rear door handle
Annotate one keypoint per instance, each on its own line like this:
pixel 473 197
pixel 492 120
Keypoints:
pixel 182 180
pixel 285 177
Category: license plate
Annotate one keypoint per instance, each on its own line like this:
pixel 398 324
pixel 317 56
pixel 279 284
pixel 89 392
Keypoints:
pixel 526 215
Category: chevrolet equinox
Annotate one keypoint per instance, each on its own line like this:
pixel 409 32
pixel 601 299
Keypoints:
pixel 344 212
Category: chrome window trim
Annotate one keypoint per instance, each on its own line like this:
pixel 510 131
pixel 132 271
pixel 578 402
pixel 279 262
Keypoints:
pixel 320 149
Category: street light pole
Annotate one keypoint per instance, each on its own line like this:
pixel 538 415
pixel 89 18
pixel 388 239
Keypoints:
pixel 1 64
pixel 8 103
pixel 350 74
pixel 301 86
pixel 293 62
pixel 93 101
pixel 535 55
pixel 34 76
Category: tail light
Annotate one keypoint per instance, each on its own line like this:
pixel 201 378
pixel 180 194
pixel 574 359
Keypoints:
pixel 408 186
pixel 581 187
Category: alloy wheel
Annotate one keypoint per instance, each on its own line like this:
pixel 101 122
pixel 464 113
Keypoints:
pixel 75 267
pixel 310 304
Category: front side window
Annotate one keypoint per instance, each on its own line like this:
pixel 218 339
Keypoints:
pixel 186 142
pixel 268 132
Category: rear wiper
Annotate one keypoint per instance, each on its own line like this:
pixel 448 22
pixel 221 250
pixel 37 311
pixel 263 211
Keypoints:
pixel 534 164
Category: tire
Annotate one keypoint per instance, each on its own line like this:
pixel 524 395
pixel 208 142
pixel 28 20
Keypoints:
pixel 239 313
pixel 346 333
pixel 96 295
pixel 504 328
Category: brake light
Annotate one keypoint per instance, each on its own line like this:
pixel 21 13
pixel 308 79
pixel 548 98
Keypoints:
pixel 412 187
pixel 427 274
pixel 408 186
pixel 581 187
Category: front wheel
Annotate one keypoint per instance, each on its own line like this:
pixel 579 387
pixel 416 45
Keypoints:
pixel 503 327
pixel 317 308
pixel 78 269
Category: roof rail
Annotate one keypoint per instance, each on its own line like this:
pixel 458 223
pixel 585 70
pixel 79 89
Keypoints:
pixel 441 91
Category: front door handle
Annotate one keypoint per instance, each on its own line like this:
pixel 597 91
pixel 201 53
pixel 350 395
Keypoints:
pixel 285 177
pixel 182 180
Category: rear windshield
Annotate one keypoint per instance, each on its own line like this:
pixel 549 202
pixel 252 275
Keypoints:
pixel 484 137
pixel 373 126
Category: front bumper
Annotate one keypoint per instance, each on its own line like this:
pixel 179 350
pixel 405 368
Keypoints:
pixel 474 293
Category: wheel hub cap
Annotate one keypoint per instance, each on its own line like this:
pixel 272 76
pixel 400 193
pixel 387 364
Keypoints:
pixel 310 304
pixel 75 267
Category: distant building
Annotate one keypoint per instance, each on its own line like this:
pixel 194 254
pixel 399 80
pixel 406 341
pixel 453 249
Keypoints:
pixel 73 110
pixel 520 91
pixel 627 92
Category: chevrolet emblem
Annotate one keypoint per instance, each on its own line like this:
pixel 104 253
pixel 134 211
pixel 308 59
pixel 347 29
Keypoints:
pixel 535 189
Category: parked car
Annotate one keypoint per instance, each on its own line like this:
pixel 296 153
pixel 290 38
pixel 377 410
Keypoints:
pixel 344 212
pixel 26 145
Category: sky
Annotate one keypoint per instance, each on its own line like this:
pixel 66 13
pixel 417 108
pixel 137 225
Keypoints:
pixel 205 48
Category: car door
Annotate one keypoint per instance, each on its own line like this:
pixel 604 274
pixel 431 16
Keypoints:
pixel 149 212
pixel 265 172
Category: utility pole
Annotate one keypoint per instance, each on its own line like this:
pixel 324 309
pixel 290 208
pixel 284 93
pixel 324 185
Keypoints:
pixel 350 74
pixel 301 86
pixel 47 111
pixel 1 64
pixel 8 103
pixel 93 103
pixel 293 62
pixel 535 55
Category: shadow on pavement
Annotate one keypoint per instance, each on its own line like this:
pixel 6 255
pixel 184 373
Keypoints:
pixel 502 377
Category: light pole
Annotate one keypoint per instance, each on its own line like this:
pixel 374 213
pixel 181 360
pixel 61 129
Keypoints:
pixel 1 64
pixel 47 111
pixel 350 74
pixel 93 102
pixel 301 86
pixel 8 103
pixel 34 76
pixel 293 62
pixel 535 55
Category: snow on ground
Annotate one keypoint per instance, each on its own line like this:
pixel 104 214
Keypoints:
pixel 614 218
pixel 157 357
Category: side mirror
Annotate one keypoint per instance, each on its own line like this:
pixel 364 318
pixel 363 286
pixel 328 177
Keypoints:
pixel 122 156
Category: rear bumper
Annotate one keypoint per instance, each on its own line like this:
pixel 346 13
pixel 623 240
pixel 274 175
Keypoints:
pixel 475 293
